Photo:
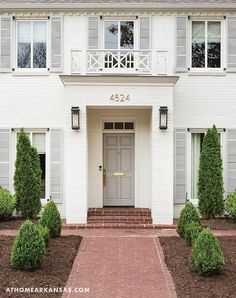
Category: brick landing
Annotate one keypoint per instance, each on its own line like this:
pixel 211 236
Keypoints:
pixel 120 265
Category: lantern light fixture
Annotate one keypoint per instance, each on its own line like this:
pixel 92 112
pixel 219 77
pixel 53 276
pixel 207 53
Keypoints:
pixel 75 118
pixel 163 117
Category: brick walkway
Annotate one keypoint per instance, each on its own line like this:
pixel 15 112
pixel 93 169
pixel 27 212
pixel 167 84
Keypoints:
pixel 120 264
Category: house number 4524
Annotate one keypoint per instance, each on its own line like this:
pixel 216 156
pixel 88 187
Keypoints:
pixel 120 97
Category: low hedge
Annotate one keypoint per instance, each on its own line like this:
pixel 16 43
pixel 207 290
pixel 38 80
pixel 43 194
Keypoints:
pixel 7 204
pixel 192 230
pixel 206 256
pixel 230 206
pixel 188 214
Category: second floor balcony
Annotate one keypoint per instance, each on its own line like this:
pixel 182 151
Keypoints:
pixel 105 61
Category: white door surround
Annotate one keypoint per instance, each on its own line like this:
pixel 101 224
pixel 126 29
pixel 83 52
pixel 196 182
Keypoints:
pixel 118 169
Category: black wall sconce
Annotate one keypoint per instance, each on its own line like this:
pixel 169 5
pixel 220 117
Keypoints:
pixel 75 121
pixel 163 117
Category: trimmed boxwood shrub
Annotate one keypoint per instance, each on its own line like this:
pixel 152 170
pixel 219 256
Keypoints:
pixel 230 206
pixel 28 249
pixel 7 204
pixel 192 230
pixel 206 256
pixel 51 219
pixel 188 214
pixel 44 232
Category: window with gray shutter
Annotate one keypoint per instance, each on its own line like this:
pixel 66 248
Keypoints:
pixel 231 160
pixel 56 164
pixel 181 50
pixel 5 158
pixel 231 44
pixel 93 32
pixel 56 44
pixel 145 32
pixel 180 166
pixel 5 44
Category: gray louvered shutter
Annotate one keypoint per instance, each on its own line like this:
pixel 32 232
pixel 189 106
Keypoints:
pixel 56 43
pixel 231 65
pixel 145 32
pixel 180 165
pixel 93 32
pixel 231 160
pixel 181 50
pixel 5 44
pixel 5 157
pixel 56 164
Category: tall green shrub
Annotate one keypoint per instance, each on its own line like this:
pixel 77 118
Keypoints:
pixel 206 256
pixel 210 183
pixel 187 215
pixel 51 219
pixel 29 248
pixel 26 182
pixel 37 171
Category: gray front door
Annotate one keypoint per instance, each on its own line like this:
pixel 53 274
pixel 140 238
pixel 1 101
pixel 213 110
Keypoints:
pixel 118 175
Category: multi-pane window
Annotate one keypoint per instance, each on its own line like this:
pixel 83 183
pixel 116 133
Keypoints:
pixel 206 44
pixel 119 34
pixel 32 44
pixel 197 140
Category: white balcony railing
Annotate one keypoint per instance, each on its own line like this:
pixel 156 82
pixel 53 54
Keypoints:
pixel 119 62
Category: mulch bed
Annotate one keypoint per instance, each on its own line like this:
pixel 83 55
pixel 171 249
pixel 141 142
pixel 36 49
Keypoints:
pixel 59 258
pixel 189 284
pixel 220 224
pixel 13 224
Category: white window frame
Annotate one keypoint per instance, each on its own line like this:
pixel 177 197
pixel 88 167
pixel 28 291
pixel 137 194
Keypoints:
pixel 32 69
pixel 222 49
pixel 47 151
pixel 119 20
pixel 189 158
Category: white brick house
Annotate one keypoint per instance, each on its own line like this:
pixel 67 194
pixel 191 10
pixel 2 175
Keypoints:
pixel 119 62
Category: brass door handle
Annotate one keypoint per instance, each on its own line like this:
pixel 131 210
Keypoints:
pixel 104 177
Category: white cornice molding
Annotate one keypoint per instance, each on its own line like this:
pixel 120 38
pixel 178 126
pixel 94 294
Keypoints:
pixel 36 13
pixel 72 80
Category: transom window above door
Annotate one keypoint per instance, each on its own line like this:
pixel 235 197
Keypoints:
pixel 31 44
pixel 118 34
pixel 206 45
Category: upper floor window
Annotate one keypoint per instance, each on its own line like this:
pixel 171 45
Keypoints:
pixel 206 44
pixel 32 44
pixel 119 34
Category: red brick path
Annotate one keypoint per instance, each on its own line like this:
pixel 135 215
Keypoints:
pixel 121 264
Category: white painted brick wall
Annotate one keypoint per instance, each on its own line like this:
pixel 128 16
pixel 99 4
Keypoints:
pixel 43 101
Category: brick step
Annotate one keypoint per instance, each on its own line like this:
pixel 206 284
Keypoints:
pixel 119 219
pixel 119 212
pixel 117 226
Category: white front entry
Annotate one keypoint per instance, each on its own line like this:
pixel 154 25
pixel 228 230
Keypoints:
pixel 118 173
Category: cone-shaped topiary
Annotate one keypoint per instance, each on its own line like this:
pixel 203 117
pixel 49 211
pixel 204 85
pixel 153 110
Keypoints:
pixel 230 206
pixel 192 230
pixel 7 204
pixel 210 183
pixel 44 231
pixel 51 219
pixel 188 214
pixel 28 249
pixel 37 172
pixel 26 186
pixel 206 256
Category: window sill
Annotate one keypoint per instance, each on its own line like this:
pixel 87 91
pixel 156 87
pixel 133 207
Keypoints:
pixel 207 73
pixel 31 73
